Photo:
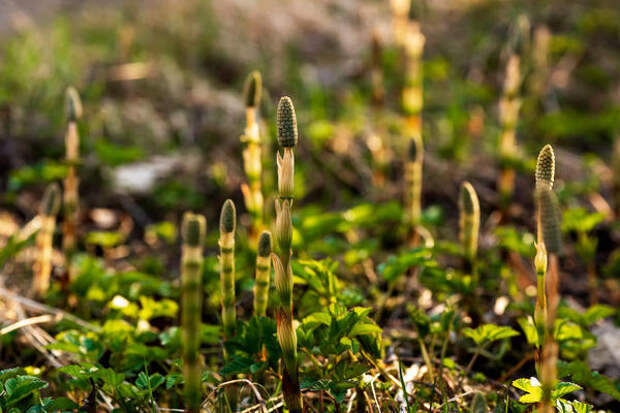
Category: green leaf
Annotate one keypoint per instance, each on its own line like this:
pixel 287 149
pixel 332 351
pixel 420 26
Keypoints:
pixel 364 328
pixel 530 330
pixel 394 267
pixel 597 312
pixel 17 388
pixel 60 404
pixel 532 388
pixel 488 333
pixel 579 372
pixel 563 388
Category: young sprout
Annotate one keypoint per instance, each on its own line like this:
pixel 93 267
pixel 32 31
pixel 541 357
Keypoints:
pixel 549 244
pixel 376 72
pixel 616 178
pixel 252 158
pixel 263 269
pixel 400 17
pixel 228 224
pixel 283 279
pixel 540 61
pixel 193 233
pixel 50 205
pixel 413 180
pixel 509 106
pixel 469 222
pixel 413 98
pixel 71 200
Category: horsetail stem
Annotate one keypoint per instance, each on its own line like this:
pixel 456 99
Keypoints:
pixel 228 224
pixel 400 16
pixel 263 269
pixel 550 240
pixel 71 200
pixel 193 233
pixel 413 95
pixel 469 221
pixel 283 279
pixel 616 178
pixel 50 205
pixel 252 159
pixel 413 180
pixel 509 106
pixel 540 310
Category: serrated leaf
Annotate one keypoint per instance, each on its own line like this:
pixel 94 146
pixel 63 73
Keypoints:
pixel 563 388
pixel 532 388
pixel 488 333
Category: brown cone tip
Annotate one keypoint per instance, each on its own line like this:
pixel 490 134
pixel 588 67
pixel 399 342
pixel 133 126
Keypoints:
pixel 287 123
pixel 545 167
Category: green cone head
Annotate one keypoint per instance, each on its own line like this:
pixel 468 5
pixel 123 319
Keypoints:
pixel 193 229
pixel 50 204
pixel 545 167
pixel 252 89
pixel 264 244
pixel 228 217
pixel 287 123
pixel 74 104
pixel 550 220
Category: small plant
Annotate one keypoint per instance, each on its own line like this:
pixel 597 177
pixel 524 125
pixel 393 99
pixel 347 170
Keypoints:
pixel 509 106
pixel 549 243
pixel 228 224
pixel 71 199
pixel 400 18
pixel 193 233
pixel 287 337
pixel 263 270
pixel 616 178
pixel 413 92
pixel 252 159
pixel 469 223
pixel 50 205
pixel 413 180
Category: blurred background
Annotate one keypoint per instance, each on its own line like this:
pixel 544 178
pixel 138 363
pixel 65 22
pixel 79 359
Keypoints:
pixel 161 84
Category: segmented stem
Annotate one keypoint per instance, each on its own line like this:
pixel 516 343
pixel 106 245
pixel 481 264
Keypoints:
pixel 549 242
pixel 413 94
pixel 252 155
pixel 509 106
pixel 43 265
pixel 71 199
pixel 193 231
pixel 413 180
pixel 227 267
pixel 283 280
pixel 263 270
pixel 469 221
